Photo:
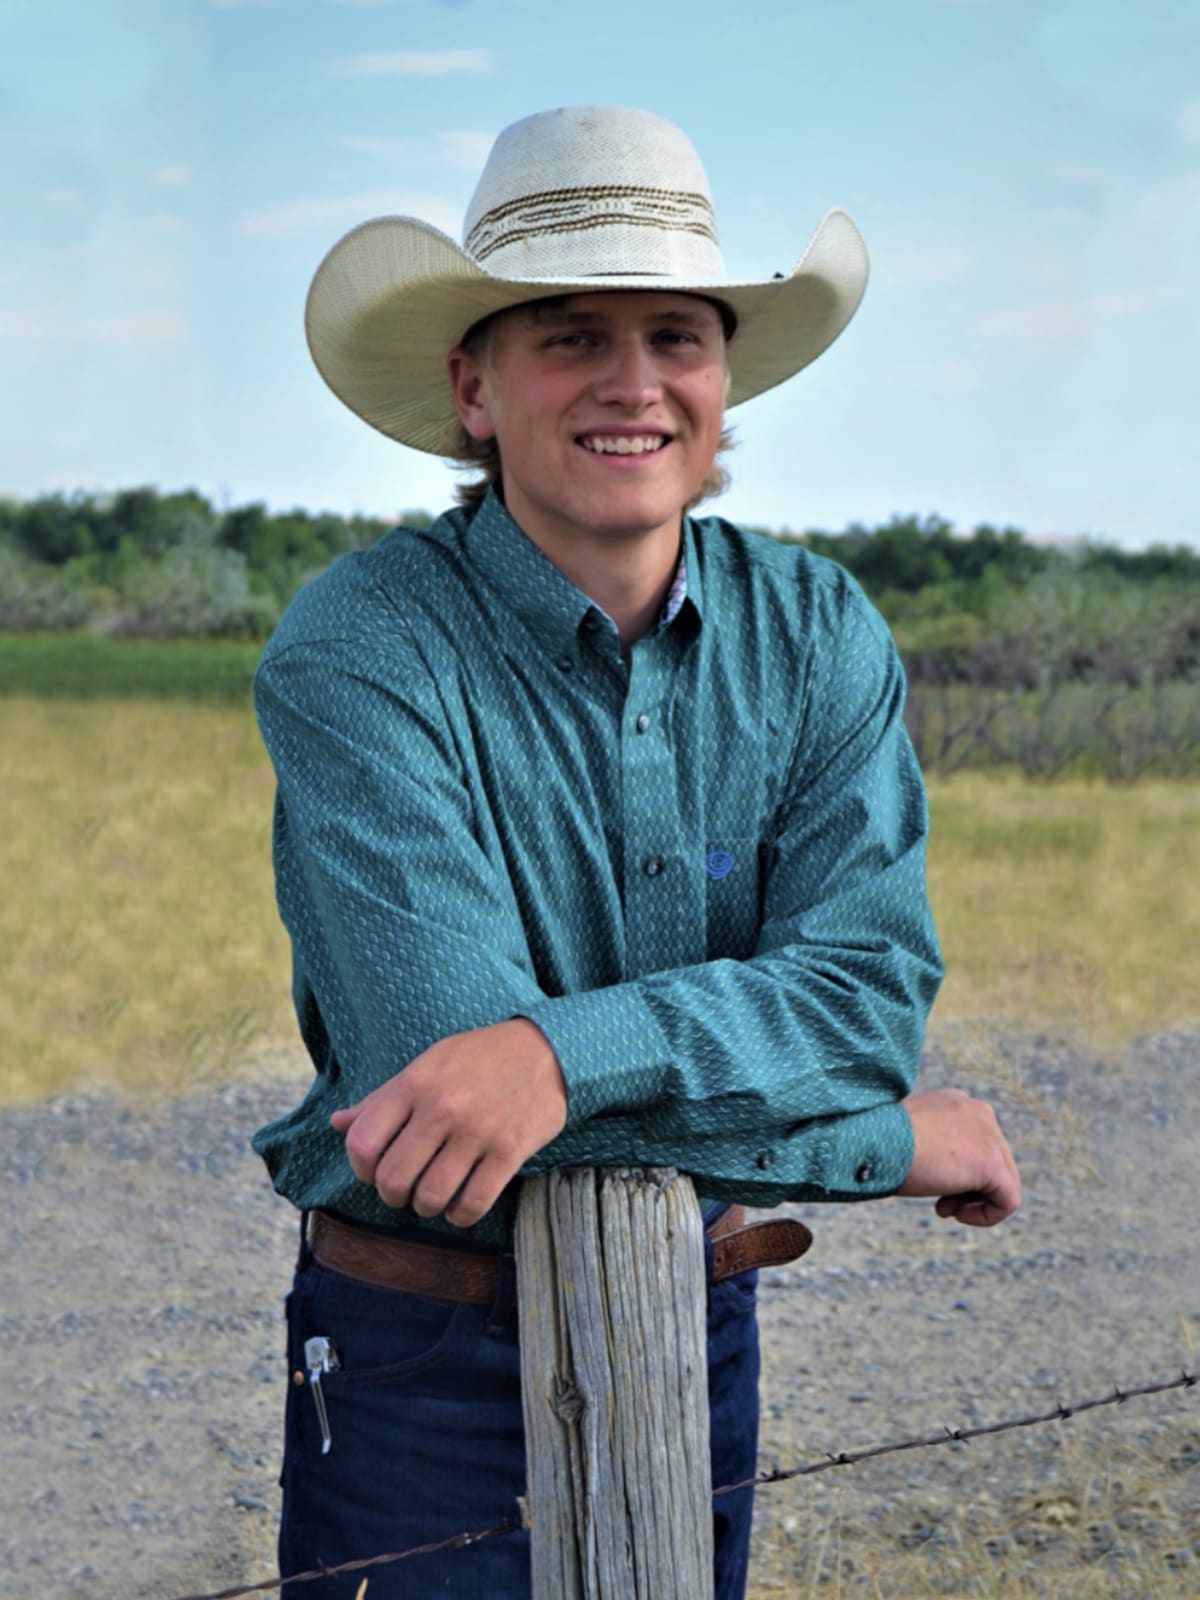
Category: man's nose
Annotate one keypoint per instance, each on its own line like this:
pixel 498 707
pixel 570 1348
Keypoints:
pixel 630 377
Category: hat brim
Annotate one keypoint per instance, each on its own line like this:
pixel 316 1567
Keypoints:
pixel 394 296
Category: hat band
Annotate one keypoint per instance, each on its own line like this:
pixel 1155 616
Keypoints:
pixel 597 206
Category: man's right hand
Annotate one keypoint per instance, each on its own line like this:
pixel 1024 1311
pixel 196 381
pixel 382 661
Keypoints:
pixel 960 1155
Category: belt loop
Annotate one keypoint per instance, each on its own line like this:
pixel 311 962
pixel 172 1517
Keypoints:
pixel 708 1270
pixel 710 1217
pixel 304 1253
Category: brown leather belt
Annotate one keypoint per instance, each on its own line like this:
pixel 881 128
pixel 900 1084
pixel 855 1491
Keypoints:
pixel 440 1274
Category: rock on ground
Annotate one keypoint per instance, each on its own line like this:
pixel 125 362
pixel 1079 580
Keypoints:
pixel 146 1260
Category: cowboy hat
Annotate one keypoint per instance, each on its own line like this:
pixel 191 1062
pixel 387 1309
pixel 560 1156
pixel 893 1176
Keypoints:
pixel 572 201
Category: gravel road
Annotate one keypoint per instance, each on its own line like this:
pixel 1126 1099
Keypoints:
pixel 146 1259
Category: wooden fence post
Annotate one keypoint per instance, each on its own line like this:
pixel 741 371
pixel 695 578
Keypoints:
pixel 614 1373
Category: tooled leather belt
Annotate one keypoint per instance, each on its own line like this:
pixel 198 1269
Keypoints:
pixel 440 1274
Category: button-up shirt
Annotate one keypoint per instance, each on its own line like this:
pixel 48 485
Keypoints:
pixel 699 870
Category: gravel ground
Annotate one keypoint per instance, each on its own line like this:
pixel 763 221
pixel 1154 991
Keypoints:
pixel 141 1326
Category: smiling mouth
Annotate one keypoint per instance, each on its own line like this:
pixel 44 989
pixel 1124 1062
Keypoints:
pixel 614 444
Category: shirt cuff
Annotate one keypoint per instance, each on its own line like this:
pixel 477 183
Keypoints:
pixel 862 1156
pixel 612 1052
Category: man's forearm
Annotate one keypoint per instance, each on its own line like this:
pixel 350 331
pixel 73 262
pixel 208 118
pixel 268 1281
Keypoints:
pixel 447 1133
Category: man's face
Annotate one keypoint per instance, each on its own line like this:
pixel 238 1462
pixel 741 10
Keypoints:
pixel 606 408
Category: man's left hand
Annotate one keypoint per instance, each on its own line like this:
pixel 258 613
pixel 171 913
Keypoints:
pixel 449 1131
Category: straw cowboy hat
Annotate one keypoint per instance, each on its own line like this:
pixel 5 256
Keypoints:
pixel 571 201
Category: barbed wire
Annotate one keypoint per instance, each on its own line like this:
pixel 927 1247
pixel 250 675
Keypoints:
pixel 456 1541
pixel 1061 1413
pixel 841 1458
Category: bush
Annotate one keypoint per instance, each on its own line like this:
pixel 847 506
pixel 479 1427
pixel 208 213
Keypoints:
pixel 194 591
pixel 37 598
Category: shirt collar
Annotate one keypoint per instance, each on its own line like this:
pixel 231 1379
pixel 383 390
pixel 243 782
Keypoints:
pixel 544 599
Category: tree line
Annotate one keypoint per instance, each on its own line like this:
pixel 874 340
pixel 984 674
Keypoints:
pixel 1079 658
pixel 991 608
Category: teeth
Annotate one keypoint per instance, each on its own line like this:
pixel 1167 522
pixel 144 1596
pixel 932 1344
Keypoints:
pixel 620 445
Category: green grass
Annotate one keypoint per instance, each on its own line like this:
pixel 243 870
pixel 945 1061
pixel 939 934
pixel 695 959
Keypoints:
pixel 1084 730
pixel 85 666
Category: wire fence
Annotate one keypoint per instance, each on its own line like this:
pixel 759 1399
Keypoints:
pixel 842 1458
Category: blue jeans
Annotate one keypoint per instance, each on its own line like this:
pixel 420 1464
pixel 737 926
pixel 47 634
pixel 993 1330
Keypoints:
pixel 427 1440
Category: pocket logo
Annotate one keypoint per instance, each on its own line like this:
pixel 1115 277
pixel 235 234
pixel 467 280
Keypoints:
pixel 718 864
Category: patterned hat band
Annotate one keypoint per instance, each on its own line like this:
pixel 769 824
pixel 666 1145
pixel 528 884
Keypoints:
pixel 553 212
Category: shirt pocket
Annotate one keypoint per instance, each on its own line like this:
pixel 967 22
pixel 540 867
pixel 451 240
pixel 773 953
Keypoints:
pixel 734 871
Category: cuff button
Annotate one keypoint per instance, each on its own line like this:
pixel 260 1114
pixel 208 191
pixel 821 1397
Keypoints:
pixel 865 1172
pixel 764 1160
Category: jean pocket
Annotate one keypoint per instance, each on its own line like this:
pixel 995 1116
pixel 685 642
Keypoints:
pixel 380 1335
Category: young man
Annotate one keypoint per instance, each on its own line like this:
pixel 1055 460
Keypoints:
pixel 598 835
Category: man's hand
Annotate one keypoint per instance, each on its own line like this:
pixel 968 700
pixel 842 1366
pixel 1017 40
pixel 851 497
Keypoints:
pixel 960 1154
pixel 447 1133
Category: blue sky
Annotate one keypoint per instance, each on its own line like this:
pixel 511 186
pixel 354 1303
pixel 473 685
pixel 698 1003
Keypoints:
pixel 1026 175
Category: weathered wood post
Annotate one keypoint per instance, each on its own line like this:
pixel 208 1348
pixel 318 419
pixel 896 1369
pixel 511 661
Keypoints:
pixel 610 1295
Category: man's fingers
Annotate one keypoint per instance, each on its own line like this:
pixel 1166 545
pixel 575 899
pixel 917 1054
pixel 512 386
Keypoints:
pixel 371 1129
pixel 480 1192
pixel 983 1209
pixel 436 1186
pixel 401 1169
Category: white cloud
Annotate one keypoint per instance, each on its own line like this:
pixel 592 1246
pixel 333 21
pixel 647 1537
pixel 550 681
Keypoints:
pixel 135 328
pixel 411 63
pixel 296 216
pixel 463 149
pixel 1073 319
pixel 65 199
pixel 929 264
pixel 172 175
pixel 466 149
pixel 1041 323
pixel 1078 172
pixel 1132 302
pixel 1187 121
pixel 950 376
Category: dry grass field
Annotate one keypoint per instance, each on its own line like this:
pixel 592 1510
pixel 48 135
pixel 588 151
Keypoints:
pixel 139 944
pixel 1069 906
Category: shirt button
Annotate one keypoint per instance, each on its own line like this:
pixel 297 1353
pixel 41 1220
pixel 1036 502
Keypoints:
pixel 653 865
pixel 564 663
pixel 865 1172
pixel 642 723
pixel 765 1160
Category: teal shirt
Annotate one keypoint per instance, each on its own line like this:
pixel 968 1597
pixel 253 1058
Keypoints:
pixel 700 874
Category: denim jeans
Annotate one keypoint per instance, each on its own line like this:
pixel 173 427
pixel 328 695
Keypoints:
pixel 426 1437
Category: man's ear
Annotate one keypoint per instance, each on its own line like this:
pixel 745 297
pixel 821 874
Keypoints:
pixel 469 389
